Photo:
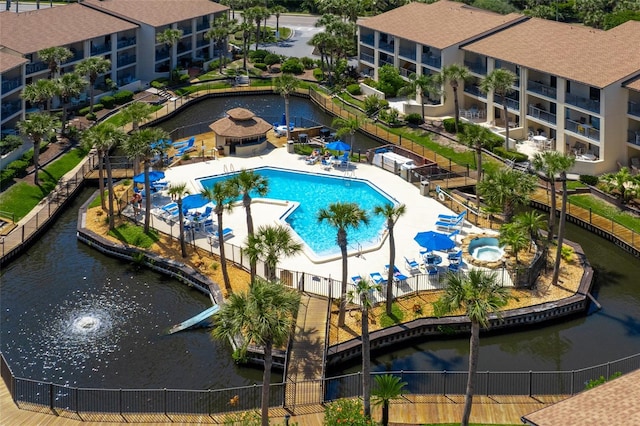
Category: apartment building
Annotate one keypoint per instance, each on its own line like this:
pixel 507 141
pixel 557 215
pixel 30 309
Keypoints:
pixel 576 85
pixel 123 31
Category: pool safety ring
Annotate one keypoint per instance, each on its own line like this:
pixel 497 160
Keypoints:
pixel 441 196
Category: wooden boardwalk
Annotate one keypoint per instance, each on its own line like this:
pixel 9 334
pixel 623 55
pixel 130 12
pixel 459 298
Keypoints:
pixel 304 372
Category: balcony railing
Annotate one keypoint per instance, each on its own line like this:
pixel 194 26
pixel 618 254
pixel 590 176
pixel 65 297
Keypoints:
pixel 100 48
pixel 202 43
pixel 406 72
pixel 541 115
pixel 633 136
pixel 542 89
pixel 10 108
pixel 126 42
pixel 77 56
pixel 582 129
pixel 36 67
pixel 126 60
pixel 434 61
pixel 474 90
pixel 9 85
pixel 183 47
pixel 204 25
pixel 126 80
pixel 634 108
pixel 368 39
pixel 408 53
pixel 383 62
pixel 162 54
pixel 477 66
pixel 592 105
pixel 186 30
pixel 513 104
pixel 367 58
pixel 387 47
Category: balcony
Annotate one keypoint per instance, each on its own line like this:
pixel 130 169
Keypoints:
pixel 634 108
pixel 124 60
pixel 202 43
pixel 433 61
pixel 204 25
pixel 542 89
pixel 406 72
pixel 9 85
pixel 162 54
pixel 477 67
pixel 474 90
pixel 408 53
pixel 367 39
pixel 77 56
pixel 582 129
pixel 183 48
pixel 387 47
pixel 513 104
pixel 36 67
pixel 367 58
pixel 186 30
pixel 10 108
pixel 384 62
pixel 633 137
pixel 99 49
pixel 541 114
pixel 126 42
pixel 592 105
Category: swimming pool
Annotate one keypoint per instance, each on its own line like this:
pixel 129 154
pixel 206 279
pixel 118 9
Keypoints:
pixel 313 192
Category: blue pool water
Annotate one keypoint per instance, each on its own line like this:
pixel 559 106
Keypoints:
pixel 314 192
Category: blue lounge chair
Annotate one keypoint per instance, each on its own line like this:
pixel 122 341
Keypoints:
pixel 226 233
pixel 450 226
pixel 356 279
pixel 432 270
pixel 451 218
pixel 377 278
pixel 326 164
pixel 412 265
pixel 397 275
pixel 182 144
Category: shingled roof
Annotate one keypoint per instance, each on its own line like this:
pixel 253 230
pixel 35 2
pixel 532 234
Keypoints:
pixel 440 25
pixel 28 32
pixel 10 60
pixel 240 123
pixel 575 52
pixel 157 12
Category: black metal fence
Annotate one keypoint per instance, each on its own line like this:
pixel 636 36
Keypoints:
pixel 35 395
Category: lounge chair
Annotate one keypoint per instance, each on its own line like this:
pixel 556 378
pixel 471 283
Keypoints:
pixel 451 218
pixel 169 211
pixel 432 270
pixel 412 265
pixel 226 233
pixel 377 278
pixel 397 275
pixel 182 144
pixel 356 279
pixel 450 226
pixel 207 225
pixel 326 164
pixel 454 267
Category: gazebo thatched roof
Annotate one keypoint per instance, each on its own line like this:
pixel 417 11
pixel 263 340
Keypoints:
pixel 240 123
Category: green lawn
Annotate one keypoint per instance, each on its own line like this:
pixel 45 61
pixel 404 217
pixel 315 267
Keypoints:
pixel 134 235
pixel 119 121
pixel 604 209
pixel 22 197
pixel 200 87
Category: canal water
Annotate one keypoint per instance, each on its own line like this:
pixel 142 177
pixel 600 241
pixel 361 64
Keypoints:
pixel 73 316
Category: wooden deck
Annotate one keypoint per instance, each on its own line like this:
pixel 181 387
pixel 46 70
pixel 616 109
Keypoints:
pixel 116 173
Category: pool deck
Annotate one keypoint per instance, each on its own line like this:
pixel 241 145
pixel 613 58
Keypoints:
pixel 421 214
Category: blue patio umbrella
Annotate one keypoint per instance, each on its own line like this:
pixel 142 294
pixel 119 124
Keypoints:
pixel 338 146
pixel 432 240
pixel 193 201
pixel 154 176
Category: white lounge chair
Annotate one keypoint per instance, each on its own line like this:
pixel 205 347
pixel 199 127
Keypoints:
pixel 412 265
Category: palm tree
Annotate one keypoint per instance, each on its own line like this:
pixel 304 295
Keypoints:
pixel 363 294
pixel 322 42
pixel 477 295
pixel 257 14
pixel 245 28
pixel 391 213
pixel 54 56
pixel 219 32
pixel 263 316
pixel 500 81
pixel 70 85
pixel 514 235
pixel 177 191
pixel 247 182
pixel 169 37
pixel 548 163
pixel 622 182
pixel 136 112
pixel 388 387
pixel 421 85
pixel 92 68
pixel 103 137
pixel 222 194
pixel 40 92
pixel 475 136
pixel 144 144
pixel 269 245
pixel 38 126
pixel 277 11
pixel 566 163
pixel 342 216
pixel 346 126
pixel 285 85
pixel 532 222
pixel 453 74
pixel 506 188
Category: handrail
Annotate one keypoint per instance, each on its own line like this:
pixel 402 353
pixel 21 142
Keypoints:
pixel 445 194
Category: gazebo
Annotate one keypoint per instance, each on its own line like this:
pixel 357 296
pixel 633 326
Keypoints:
pixel 241 132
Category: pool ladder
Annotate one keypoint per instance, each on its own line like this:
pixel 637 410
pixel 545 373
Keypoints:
pixel 228 169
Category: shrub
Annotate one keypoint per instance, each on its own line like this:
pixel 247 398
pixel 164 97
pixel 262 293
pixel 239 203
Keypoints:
pixel 510 155
pixel 260 66
pixel 108 101
pixel 589 180
pixel 6 176
pixel 271 59
pixel 292 66
pixel 160 83
pixel 213 65
pixel 389 80
pixel 258 55
pixel 372 104
pixel 84 111
pixel 98 107
pixel 19 167
pixel 91 116
pixel 449 125
pixel 414 118
pixel 346 412
pixel 370 82
pixel 318 74
pixel 123 96
pixel 493 141
pixel 28 156
pixel 354 89
pixel 307 62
